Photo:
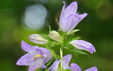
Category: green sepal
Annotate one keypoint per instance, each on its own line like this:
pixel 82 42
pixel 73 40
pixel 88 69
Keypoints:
pixel 77 51
pixel 73 31
pixel 50 63
pixel 59 67
pixel 67 70
pixel 49 29
pixel 77 38
pixel 57 21
pixel 60 32
pixel 45 36
pixel 51 42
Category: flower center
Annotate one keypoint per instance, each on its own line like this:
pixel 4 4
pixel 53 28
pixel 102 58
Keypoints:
pixel 37 56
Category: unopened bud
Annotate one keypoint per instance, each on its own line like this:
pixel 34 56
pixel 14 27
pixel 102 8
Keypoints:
pixel 55 35
pixel 36 38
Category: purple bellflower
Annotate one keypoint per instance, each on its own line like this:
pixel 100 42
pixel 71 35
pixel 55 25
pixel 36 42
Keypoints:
pixel 69 17
pixel 35 58
pixel 83 45
pixel 66 60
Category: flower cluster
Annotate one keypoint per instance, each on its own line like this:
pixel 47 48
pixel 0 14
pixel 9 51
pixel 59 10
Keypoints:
pixel 74 66
pixel 45 57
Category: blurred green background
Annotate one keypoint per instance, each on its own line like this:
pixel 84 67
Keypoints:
pixel 96 28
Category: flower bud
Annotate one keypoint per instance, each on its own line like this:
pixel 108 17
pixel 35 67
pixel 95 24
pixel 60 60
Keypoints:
pixel 36 38
pixel 83 45
pixel 55 35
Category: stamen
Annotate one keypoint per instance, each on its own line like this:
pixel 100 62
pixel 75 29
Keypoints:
pixel 36 56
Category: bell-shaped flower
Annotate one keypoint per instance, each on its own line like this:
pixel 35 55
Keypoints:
pixel 69 17
pixel 83 45
pixel 35 58
pixel 36 38
pixel 73 67
pixel 66 60
pixel 55 35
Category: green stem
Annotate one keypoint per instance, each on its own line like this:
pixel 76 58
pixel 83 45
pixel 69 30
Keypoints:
pixel 61 55
pixel 61 52
pixel 62 40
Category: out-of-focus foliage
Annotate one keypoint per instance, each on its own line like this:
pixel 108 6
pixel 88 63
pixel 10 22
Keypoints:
pixel 96 28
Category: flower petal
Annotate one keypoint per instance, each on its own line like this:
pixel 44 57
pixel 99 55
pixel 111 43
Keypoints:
pixel 82 16
pixel 26 59
pixel 45 53
pixel 77 20
pixel 71 9
pixel 66 60
pixel 67 23
pixel 83 45
pixel 75 67
pixel 92 69
pixel 36 38
pixel 43 66
pixel 34 67
pixel 27 47
pixel 54 66
pixel 63 9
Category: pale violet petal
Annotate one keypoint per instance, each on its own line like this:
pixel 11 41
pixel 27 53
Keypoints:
pixel 71 9
pixel 92 69
pixel 83 45
pixel 66 60
pixel 67 23
pixel 77 20
pixel 26 59
pixel 75 67
pixel 33 67
pixel 43 66
pixel 27 47
pixel 63 10
pixel 82 16
pixel 54 66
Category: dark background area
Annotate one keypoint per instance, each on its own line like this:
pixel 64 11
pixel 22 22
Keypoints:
pixel 96 28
